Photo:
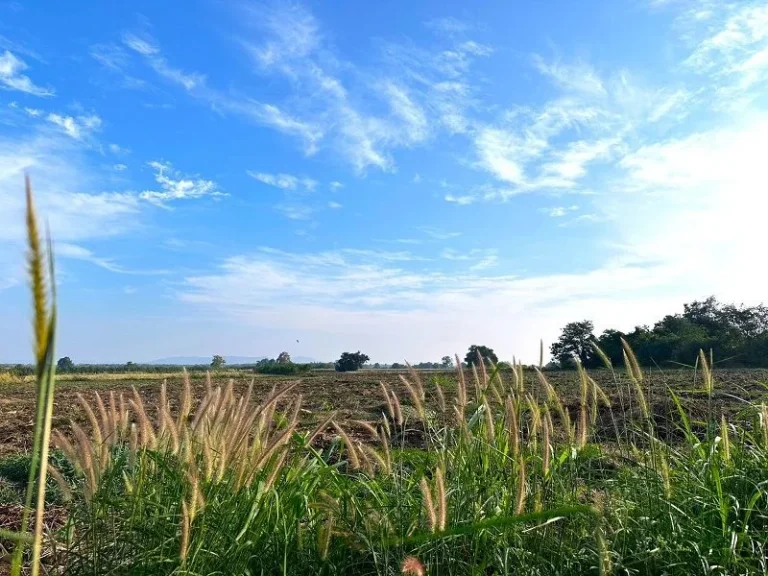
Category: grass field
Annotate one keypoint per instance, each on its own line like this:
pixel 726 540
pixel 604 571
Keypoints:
pixel 533 478
pixel 356 395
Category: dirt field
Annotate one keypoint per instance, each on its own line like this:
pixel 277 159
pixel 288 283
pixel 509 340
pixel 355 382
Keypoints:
pixel 357 395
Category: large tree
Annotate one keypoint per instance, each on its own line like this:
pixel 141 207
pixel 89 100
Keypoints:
pixel 446 362
pixel 574 343
pixel 65 364
pixel 217 362
pixel 487 354
pixel 284 358
pixel 351 361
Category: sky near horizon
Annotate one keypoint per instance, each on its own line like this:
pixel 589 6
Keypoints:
pixel 403 178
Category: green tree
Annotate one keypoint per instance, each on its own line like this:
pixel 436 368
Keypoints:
pixel 351 361
pixel 487 354
pixel 218 362
pixel 446 362
pixel 284 358
pixel 575 342
pixel 65 364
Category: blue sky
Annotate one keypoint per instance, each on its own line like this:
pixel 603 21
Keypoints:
pixel 401 178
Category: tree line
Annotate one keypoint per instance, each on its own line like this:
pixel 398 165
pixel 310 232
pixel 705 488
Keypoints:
pixel 736 335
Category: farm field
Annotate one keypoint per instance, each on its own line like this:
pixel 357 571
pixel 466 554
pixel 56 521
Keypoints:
pixel 357 395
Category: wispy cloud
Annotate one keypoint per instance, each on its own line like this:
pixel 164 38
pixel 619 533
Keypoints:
pixel 77 127
pixel 77 252
pixel 438 234
pixel 151 52
pixel 12 77
pixel 334 205
pixel 295 211
pixel 560 211
pixel 120 167
pixel 579 77
pixel 176 186
pixel 284 181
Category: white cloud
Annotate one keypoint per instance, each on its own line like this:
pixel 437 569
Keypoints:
pixel 11 76
pixel 61 177
pixel 295 211
pixel 33 112
pixel 175 186
pixel 464 200
pixel 77 127
pixel 334 205
pixel 560 211
pixel 579 77
pixel 148 48
pixel 77 252
pixel 118 150
pixel 336 185
pixel 120 167
pixel 439 234
pixel 284 181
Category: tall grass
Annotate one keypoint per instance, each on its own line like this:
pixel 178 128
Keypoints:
pixel 509 482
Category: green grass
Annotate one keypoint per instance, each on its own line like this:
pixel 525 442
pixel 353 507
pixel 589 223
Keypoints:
pixel 631 505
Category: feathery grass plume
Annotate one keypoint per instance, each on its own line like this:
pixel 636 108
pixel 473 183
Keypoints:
pixel 601 395
pixel 535 411
pixel 515 377
pixel 388 400
pixel 521 486
pixel 637 385
pixel 186 399
pixel 368 428
pixel 282 456
pixel 476 378
pixel 490 428
pixel 148 437
pixel 606 563
pixel 324 537
pixel 553 398
pixel 442 504
pixel 162 408
pixel 429 505
pixel 541 354
pixel 208 383
pixel 354 459
pixel 95 428
pixel 546 445
pixel 440 397
pixel 521 378
pixel 133 446
pixel 584 391
pixel 603 357
pixel 415 398
pixel 416 380
pixel 385 447
pixel 725 438
pixel 512 426
pixel 115 434
pixel 66 491
pixel 124 415
pixel 706 372
pixel 461 384
pixel 61 442
pixel 367 464
pixel 106 428
pixel 86 458
pixel 185 522
pixel 320 427
pixel 483 371
pixel 397 408
pixel 413 567
pixel 380 460
pixel 764 423
pixel 633 364
pixel 36 266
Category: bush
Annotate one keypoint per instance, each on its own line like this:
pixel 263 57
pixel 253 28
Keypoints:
pixel 282 369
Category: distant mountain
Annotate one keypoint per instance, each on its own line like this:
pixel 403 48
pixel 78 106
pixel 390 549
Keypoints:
pixel 231 360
